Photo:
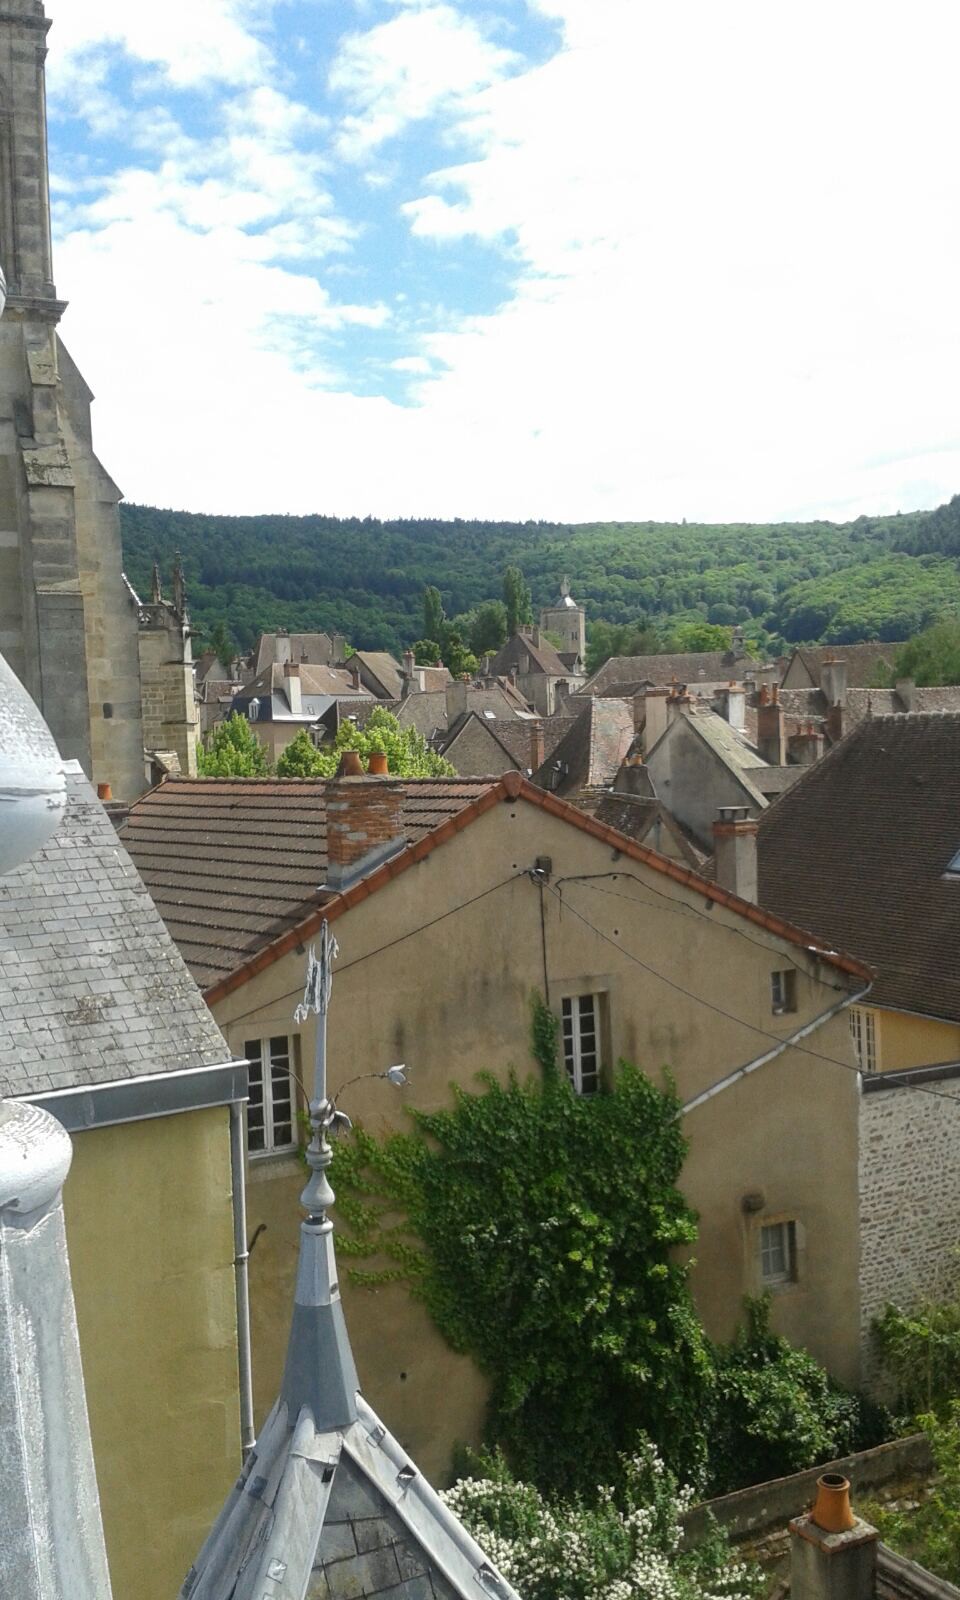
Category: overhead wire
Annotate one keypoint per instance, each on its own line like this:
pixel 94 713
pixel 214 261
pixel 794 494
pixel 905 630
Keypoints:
pixel 817 1055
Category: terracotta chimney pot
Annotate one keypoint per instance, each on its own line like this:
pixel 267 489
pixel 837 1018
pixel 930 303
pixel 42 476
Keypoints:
pixel 104 792
pixel 831 1509
pixel 377 765
pixel 350 765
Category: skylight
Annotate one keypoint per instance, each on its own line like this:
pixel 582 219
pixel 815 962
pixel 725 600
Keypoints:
pixel 953 867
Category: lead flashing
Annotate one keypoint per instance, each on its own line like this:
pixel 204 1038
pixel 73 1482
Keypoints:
pixel 162 1094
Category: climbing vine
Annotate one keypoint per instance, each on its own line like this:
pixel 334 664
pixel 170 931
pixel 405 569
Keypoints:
pixel 541 1229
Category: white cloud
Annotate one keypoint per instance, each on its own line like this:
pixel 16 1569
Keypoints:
pixel 192 41
pixel 423 60
pixel 733 230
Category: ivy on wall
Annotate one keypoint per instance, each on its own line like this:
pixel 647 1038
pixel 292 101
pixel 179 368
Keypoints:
pixel 540 1228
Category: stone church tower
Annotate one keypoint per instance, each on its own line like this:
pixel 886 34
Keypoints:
pixel 568 622
pixel 68 620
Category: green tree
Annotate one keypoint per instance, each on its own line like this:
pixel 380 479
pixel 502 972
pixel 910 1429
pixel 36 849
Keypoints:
pixel 697 636
pixel 488 630
pixel 549 1224
pixel 426 653
pixel 457 657
pixel 433 618
pixel 606 639
pixel 233 751
pixel 220 641
pixel 301 758
pixel 407 752
pixel 516 600
pixel 933 657
pixel 930 1532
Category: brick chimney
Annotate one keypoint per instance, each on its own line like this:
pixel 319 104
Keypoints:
pixel 833 682
pixel 833 1552
pixel 291 683
pixel 806 745
pixel 735 851
pixel 656 717
pixel 678 701
pixel 771 732
pixel 364 827
pixel 353 667
pixel 537 747
pixel 411 682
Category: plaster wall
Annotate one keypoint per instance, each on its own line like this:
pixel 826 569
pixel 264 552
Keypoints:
pixel 149 1227
pixel 693 782
pixel 451 997
pixel 475 753
pixel 908 1041
pixel 909 1181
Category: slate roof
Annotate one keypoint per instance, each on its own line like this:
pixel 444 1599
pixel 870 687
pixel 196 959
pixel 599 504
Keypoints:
pixel 92 986
pixel 592 751
pixel 427 711
pixel 232 863
pixel 543 657
pixel 643 818
pixel 319 687
pixel 709 666
pixel 858 849
pixel 862 660
pixel 384 669
pixel 811 704
pixel 733 751
pixel 318 647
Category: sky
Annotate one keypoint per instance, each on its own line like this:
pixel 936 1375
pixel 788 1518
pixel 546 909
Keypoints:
pixel 560 259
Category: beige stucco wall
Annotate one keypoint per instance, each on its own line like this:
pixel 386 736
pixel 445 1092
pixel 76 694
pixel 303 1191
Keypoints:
pixel 454 998
pixel 908 1041
pixel 149 1227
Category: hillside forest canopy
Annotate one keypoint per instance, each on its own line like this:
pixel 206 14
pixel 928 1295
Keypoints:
pixel 785 583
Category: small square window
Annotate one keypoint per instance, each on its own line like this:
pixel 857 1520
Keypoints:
pixel 783 991
pixel 778 1253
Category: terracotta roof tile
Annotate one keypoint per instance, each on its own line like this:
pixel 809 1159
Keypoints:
pixel 232 863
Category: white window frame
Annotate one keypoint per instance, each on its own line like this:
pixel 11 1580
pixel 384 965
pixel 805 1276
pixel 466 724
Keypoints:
pixel 783 991
pixel 572 1038
pixel 786 1227
pixel 260 1052
pixel 863 1028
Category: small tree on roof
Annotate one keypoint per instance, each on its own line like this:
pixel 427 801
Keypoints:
pixel 233 751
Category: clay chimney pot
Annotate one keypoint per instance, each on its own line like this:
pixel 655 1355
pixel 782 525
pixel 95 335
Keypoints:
pixel 831 1509
pixel 350 765
pixel 377 765
pixel 104 792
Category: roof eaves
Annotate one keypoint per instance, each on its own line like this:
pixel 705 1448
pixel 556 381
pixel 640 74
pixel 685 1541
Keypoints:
pixel 513 786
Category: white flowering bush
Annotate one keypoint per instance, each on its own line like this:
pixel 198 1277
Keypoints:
pixel 623 1548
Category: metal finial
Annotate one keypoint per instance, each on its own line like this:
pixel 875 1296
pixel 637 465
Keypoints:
pixel 318 1196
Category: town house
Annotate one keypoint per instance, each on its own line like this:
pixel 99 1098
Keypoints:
pixel 454 902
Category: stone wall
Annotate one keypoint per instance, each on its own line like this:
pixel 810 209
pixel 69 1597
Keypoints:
pixel 909 1183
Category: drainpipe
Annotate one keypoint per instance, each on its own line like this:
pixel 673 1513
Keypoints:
pixel 771 1055
pixel 241 1257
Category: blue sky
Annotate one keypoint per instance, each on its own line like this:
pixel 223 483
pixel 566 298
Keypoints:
pixel 527 258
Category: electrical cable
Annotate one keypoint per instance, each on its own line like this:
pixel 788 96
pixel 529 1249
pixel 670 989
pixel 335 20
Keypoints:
pixel 919 1088
pixel 411 933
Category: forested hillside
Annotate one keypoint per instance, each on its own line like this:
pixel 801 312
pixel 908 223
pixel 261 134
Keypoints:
pixel 878 577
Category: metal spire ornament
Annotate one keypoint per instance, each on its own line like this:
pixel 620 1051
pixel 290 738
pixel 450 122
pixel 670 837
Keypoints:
pixel 318 1196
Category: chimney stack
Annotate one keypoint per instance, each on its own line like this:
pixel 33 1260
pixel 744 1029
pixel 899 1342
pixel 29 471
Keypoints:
pixel 735 851
pixel 537 746
pixel 771 730
pixel 456 693
pixel 283 648
pixel 291 682
pixel 907 693
pixel 735 705
pixel 364 827
pixel 806 746
pixel 411 682
pixel 678 701
pixel 833 682
pixel 655 723
pixel 353 667
pixel 833 1552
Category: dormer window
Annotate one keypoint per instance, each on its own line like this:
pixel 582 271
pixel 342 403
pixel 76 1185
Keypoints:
pixel 253 710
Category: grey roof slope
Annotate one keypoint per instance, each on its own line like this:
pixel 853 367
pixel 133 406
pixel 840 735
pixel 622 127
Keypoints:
pixel 733 751
pixel 92 986
pixel 591 751
pixel 859 850
pixel 703 666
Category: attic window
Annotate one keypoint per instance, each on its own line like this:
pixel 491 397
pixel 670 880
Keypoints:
pixel 489 714
pixel 953 867
pixel 783 991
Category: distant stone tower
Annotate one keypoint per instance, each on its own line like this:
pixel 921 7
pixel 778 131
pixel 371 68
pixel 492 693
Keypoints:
pixel 568 622
pixel 168 700
pixel 68 623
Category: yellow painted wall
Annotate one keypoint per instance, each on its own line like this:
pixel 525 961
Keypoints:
pixel 150 1233
pixel 906 1041
pixel 453 998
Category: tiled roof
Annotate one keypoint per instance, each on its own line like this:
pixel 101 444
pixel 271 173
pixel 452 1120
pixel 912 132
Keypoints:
pixel 858 849
pixel 317 647
pixel 592 751
pixel 709 666
pixel 427 711
pixel 862 659
pixel 233 863
pixel 384 669
pixel 543 657
pixel 92 987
